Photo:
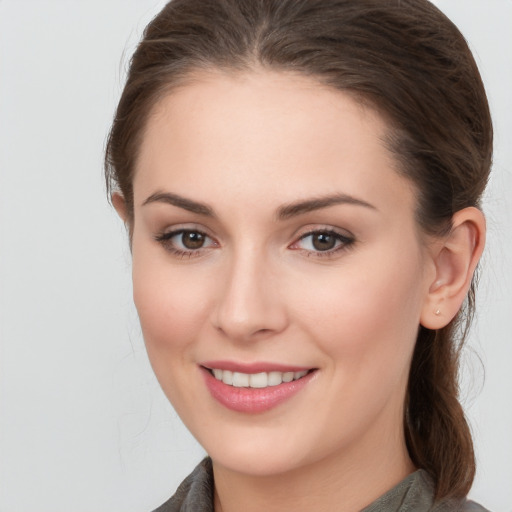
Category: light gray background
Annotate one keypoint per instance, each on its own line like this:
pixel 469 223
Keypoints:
pixel 84 426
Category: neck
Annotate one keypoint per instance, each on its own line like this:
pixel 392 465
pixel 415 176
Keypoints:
pixel 345 482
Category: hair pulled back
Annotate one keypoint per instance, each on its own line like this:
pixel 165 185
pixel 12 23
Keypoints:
pixel 401 57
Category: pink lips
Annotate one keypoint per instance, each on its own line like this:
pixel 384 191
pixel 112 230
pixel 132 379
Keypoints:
pixel 252 400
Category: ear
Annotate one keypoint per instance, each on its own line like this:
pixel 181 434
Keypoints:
pixel 120 205
pixel 455 260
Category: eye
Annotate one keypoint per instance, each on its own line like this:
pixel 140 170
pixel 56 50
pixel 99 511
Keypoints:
pixel 323 241
pixel 185 242
pixel 191 239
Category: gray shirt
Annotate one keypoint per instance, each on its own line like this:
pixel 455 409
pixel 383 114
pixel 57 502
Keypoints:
pixel 413 494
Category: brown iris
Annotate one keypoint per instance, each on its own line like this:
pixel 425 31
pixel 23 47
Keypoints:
pixel 323 241
pixel 192 239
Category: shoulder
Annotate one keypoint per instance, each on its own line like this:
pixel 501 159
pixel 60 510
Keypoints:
pixel 416 494
pixel 195 493
pixel 471 506
pixel 458 506
pixel 451 505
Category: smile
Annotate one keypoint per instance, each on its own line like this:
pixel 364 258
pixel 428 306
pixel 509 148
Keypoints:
pixel 259 388
pixel 256 380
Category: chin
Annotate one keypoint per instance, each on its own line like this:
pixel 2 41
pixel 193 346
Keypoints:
pixel 256 463
pixel 261 450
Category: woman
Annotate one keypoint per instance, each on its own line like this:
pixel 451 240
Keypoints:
pixel 301 183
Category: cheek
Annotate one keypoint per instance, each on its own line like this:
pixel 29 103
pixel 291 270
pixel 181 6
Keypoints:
pixel 172 313
pixel 171 305
pixel 367 313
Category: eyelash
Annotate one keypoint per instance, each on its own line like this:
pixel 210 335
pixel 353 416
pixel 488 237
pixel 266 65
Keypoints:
pixel 343 242
pixel 166 240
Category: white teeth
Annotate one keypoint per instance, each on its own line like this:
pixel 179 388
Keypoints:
pixel 256 380
pixel 226 377
pixel 288 376
pixel 240 380
pixel 275 378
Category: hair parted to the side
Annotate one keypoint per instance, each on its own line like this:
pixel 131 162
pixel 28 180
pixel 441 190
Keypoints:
pixel 401 57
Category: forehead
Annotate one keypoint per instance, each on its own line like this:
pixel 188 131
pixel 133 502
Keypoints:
pixel 278 134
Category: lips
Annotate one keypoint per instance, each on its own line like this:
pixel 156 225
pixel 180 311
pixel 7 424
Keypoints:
pixel 254 388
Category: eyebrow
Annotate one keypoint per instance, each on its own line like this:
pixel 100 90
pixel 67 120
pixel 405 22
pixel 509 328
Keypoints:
pixel 309 205
pixel 283 213
pixel 180 202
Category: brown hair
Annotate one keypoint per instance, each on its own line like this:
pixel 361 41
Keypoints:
pixel 404 58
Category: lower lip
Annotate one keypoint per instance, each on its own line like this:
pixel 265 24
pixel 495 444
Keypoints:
pixel 253 400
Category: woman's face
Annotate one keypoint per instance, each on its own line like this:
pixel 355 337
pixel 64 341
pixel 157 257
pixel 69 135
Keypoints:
pixel 274 238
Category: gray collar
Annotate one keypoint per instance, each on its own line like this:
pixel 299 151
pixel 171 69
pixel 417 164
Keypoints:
pixel 413 494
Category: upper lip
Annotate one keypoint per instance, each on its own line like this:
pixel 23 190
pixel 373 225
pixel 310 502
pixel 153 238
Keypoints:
pixel 255 367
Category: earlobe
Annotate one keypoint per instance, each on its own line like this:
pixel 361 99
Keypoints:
pixel 455 262
pixel 120 205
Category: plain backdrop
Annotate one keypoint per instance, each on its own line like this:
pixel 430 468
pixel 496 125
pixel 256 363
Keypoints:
pixel 84 426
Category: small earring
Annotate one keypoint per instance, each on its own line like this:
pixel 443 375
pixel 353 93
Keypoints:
pixel 438 312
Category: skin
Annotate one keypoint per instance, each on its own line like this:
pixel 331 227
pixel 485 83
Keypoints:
pixel 246 146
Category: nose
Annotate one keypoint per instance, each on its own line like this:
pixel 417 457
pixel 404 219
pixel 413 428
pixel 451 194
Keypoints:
pixel 250 304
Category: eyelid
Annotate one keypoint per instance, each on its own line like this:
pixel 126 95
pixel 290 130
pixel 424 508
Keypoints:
pixel 322 228
pixel 175 229
pixel 345 238
pixel 165 237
